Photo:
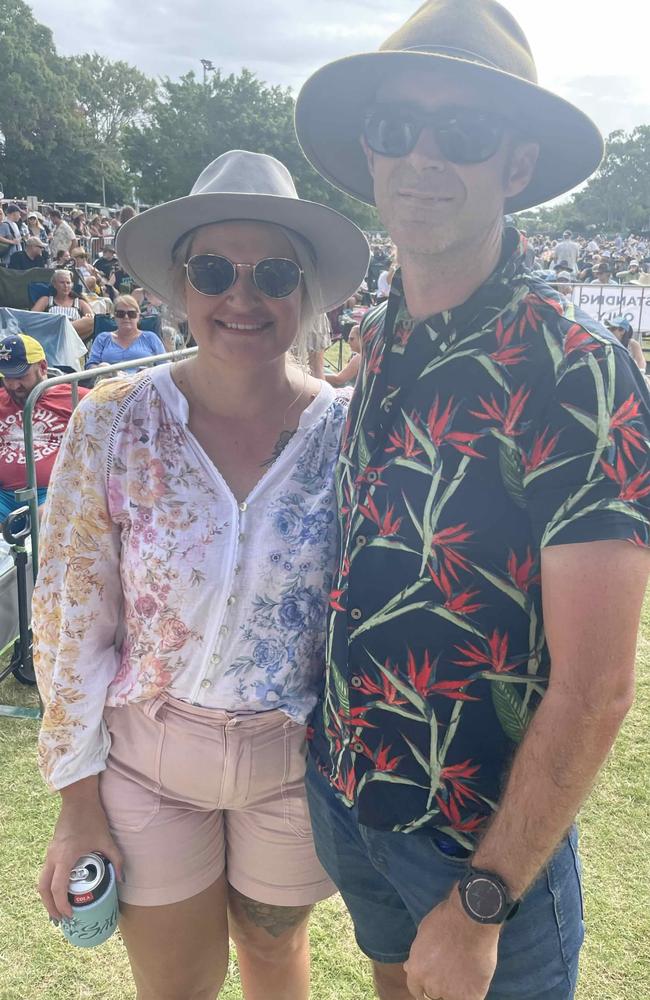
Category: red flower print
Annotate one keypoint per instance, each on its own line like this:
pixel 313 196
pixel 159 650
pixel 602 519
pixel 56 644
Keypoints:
pixel 493 655
pixel 362 478
pixel 346 784
pixel 451 811
pixel 507 354
pixel 459 603
pixel 521 573
pixel 383 762
pixel 405 443
pixel 452 775
pixel 509 418
pixel 421 681
pixel 630 489
pixel 622 422
pixel 373 364
pixel 355 719
pixel 439 427
pixel 335 599
pixel 541 451
pixel 387 690
pixel 446 541
pixel 403 333
pixel 388 524
pixel 577 339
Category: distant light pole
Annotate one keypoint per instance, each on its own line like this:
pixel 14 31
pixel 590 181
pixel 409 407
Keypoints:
pixel 207 65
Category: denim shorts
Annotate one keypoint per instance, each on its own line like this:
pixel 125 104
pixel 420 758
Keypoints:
pixel 390 881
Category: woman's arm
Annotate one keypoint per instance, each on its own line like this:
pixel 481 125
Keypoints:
pixel 637 353
pixel 40 306
pixel 347 374
pixel 84 308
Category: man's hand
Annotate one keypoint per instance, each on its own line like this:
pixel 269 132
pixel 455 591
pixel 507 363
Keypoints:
pixel 452 957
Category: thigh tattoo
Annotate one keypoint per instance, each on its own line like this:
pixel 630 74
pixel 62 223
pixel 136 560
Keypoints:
pixel 275 920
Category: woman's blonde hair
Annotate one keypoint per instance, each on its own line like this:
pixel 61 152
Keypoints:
pixel 127 302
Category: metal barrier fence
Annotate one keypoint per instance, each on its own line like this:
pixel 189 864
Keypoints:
pixel 93 245
pixel 602 302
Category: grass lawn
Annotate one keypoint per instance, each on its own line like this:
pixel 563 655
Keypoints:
pixel 37 964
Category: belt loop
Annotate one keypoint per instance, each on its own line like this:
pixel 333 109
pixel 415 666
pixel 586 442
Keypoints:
pixel 152 706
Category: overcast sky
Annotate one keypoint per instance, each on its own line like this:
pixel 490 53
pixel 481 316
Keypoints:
pixel 584 51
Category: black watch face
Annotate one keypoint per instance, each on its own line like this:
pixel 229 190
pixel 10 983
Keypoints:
pixel 484 898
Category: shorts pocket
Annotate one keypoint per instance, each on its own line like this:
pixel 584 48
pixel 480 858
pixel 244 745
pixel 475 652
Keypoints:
pixel 294 793
pixel 130 785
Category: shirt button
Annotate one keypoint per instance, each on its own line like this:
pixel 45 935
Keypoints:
pixel 355 614
pixel 356 682
pixel 215 658
pixel 223 630
pixel 372 477
pixel 206 683
pixel 237 569
pixel 231 600
pixel 240 537
pixel 243 506
pixel 362 540
pixel 387 405
pixel 358 747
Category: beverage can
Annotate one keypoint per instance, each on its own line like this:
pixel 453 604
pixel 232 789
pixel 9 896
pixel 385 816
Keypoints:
pixel 92 891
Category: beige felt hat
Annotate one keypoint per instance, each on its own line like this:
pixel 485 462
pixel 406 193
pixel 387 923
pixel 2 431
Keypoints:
pixel 478 40
pixel 240 185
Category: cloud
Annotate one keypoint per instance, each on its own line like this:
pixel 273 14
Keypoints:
pixel 614 102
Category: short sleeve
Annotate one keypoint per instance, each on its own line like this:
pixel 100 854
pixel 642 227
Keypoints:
pixel 97 350
pixel 586 468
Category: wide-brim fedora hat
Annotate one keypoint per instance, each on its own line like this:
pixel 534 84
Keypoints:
pixel 480 41
pixel 244 186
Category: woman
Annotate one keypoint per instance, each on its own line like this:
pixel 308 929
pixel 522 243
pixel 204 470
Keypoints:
pixel 622 330
pixel 83 265
pixel 36 228
pixel 180 605
pixel 348 374
pixel 65 303
pixel 128 342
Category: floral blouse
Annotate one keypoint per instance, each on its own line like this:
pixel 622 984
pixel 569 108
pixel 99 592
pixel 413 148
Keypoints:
pixel 153 577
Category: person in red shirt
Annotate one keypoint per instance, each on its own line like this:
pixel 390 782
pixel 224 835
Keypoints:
pixel 22 366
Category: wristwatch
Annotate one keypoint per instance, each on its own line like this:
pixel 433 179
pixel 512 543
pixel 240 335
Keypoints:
pixel 485 897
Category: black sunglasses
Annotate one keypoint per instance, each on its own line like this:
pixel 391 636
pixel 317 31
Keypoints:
pixel 211 274
pixel 123 313
pixel 463 135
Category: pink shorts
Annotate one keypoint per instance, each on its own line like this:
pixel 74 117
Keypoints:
pixel 192 792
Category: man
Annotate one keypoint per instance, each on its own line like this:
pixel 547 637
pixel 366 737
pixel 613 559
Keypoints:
pixel 22 366
pixel 10 238
pixel 106 262
pixel 567 250
pixel 633 273
pixel 63 235
pixel 493 475
pixel 601 275
pixel 34 255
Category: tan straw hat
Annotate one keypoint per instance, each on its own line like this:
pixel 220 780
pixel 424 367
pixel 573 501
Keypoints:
pixel 240 185
pixel 477 39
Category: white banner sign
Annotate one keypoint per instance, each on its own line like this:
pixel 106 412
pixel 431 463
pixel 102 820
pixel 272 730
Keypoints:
pixel 604 301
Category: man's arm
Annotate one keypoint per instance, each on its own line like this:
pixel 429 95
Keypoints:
pixel 592 596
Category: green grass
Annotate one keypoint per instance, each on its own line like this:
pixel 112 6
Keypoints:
pixel 37 964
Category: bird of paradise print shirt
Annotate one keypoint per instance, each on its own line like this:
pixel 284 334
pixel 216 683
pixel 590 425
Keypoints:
pixel 153 577
pixel 474 439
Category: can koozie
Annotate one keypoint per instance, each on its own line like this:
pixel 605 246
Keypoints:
pixel 93 894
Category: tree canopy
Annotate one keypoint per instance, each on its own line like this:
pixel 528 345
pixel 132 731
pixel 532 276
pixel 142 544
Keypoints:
pixel 72 129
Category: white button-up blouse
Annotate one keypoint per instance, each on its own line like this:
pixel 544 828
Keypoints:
pixel 153 577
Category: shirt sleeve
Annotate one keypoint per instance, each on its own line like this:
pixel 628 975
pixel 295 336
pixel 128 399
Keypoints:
pixel 587 459
pixel 155 343
pixel 77 601
pixel 97 350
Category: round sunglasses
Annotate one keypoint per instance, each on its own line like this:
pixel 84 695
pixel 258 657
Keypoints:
pixel 211 274
pixel 463 135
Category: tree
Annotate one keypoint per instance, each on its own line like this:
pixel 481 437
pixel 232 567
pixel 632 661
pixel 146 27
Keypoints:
pixel 191 123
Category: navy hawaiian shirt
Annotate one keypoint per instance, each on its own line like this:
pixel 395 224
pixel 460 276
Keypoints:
pixel 474 439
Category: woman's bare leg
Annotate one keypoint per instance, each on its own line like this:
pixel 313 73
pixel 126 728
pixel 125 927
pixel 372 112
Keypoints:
pixel 180 951
pixel 272 948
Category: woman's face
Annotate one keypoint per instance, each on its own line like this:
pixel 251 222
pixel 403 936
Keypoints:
pixel 126 325
pixel 353 340
pixel 242 325
pixel 63 284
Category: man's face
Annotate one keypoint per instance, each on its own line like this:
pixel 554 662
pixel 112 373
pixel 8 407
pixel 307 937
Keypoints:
pixel 428 204
pixel 13 216
pixel 20 388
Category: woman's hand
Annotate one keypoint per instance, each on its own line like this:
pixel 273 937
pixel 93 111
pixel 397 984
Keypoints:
pixel 82 828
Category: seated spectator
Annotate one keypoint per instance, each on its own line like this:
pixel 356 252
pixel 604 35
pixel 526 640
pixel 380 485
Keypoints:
pixel 602 275
pixel 34 255
pixel 23 366
pixel 64 302
pixel 82 264
pixel 100 305
pixel 348 374
pixel 127 343
pixel 622 330
pixel 632 274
